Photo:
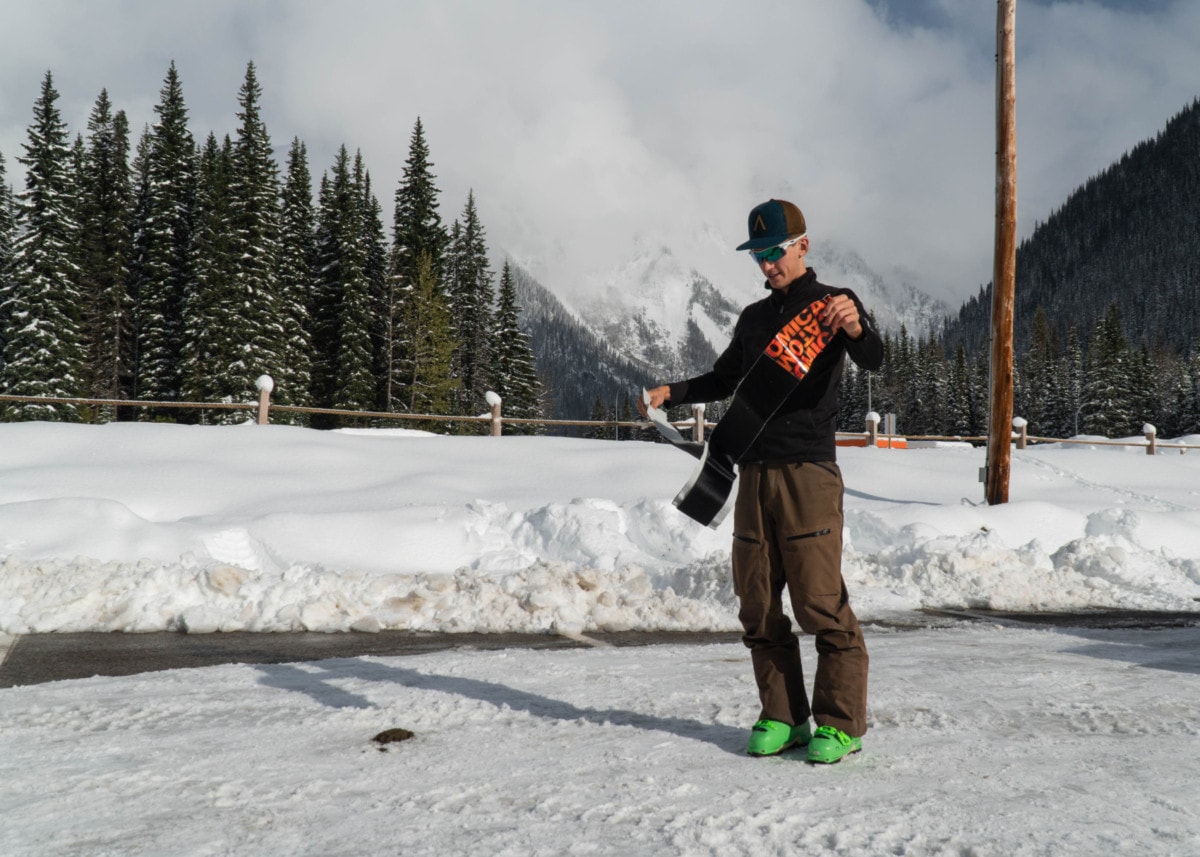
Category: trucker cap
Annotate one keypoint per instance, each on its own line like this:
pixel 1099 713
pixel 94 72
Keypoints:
pixel 771 223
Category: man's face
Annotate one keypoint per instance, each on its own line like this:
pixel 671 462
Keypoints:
pixel 788 267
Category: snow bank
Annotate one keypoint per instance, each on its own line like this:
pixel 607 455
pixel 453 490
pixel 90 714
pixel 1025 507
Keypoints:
pixel 154 527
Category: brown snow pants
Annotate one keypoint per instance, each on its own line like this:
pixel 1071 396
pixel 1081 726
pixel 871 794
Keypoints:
pixel 787 531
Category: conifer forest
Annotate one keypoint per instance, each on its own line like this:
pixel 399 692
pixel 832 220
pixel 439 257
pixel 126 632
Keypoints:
pixel 161 267
pixel 172 269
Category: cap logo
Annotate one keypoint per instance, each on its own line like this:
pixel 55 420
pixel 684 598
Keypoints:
pixel 760 225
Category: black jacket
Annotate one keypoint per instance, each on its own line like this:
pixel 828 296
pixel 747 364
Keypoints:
pixel 803 427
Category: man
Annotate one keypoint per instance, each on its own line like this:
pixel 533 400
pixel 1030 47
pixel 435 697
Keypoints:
pixel 787 520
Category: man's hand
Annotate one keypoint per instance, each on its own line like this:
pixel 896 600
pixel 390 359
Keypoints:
pixel 657 396
pixel 841 313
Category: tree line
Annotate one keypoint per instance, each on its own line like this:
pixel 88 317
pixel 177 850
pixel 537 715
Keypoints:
pixel 1100 383
pixel 185 271
pixel 1106 314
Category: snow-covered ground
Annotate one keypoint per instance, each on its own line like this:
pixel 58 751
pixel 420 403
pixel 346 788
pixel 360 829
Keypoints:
pixel 993 738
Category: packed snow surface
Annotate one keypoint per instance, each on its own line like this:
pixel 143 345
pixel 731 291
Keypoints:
pixel 994 738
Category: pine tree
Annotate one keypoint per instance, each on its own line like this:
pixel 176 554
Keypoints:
pixel 471 298
pixel 139 267
pixel 625 415
pixel 105 215
pixel 342 370
pixel 257 328
pixel 209 302
pixel 851 398
pixel 1191 420
pixel 43 354
pixel 1107 395
pixel 1040 380
pixel 417 225
pixel 958 396
pixel 297 282
pixel 980 390
pixel 600 413
pixel 1170 394
pixel 515 378
pixel 1070 373
pixel 8 237
pixel 416 229
pixel 427 383
pixel 379 286
pixel 165 266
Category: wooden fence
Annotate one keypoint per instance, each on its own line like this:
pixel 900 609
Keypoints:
pixel 494 421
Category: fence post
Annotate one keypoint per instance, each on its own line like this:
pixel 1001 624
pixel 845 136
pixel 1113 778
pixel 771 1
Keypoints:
pixel 495 401
pixel 872 428
pixel 1151 434
pixel 698 422
pixel 1022 427
pixel 265 385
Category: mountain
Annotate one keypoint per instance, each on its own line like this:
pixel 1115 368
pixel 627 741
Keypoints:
pixel 662 313
pixel 892 300
pixel 1128 236
pixel 656 318
pixel 576 366
pixel 673 317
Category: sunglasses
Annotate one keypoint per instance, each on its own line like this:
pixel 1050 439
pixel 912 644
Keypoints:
pixel 773 254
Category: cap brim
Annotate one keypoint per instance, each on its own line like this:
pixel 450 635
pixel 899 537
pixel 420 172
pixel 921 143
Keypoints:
pixel 761 243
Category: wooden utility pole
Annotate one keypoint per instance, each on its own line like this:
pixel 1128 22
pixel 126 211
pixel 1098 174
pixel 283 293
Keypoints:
pixel 1004 267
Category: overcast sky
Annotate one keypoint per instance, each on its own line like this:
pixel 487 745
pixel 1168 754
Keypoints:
pixel 585 128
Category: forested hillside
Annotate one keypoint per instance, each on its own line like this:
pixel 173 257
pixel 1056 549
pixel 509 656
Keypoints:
pixel 1128 236
pixel 579 371
pixel 1107 308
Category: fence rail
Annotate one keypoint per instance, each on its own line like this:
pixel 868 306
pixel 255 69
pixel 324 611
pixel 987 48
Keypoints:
pixel 495 420
pixel 264 409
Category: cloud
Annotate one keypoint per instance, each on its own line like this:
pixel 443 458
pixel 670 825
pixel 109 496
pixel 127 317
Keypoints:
pixel 588 128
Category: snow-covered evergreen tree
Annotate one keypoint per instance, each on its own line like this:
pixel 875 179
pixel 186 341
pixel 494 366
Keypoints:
pixel 1191 417
pixel 43 355
pixel 297 280
pixel 105 214
pixel 1108 401
pixel 8 237
pixel 417 224
pixel 1040 392
pixel 416 229
pixel 256 332
pixel 139 253
pixel 379 286
pixel 471 298
pixel 1169 389
pixel 164 244
pixel 1070 385
pixel 958 396
pixel 209 302
pixel 514 375
pixel 342 371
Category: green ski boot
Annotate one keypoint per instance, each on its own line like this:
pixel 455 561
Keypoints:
pixel 831 745
pixel 770 737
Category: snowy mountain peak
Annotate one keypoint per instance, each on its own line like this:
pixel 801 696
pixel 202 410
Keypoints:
pixel 657 308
